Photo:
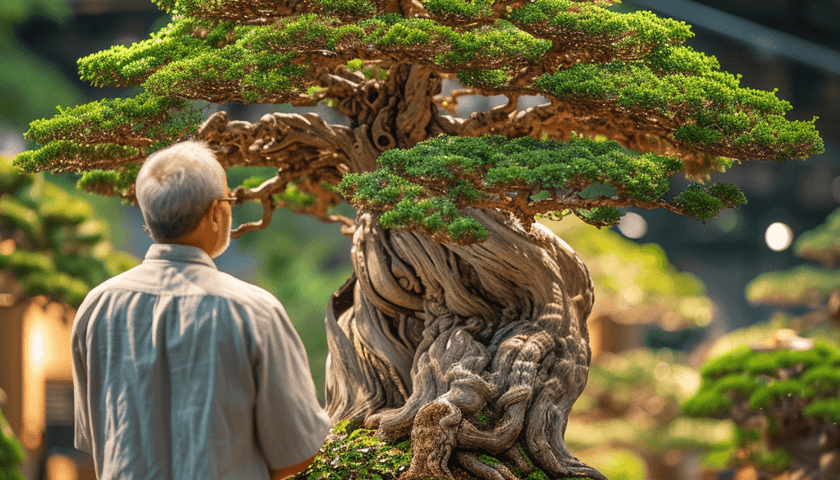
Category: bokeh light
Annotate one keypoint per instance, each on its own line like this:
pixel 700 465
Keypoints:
pixel 778 236
pixel 632 225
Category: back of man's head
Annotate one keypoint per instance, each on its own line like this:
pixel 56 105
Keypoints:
pixel 175 187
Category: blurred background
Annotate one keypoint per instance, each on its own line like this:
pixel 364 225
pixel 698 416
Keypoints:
pixel 673 300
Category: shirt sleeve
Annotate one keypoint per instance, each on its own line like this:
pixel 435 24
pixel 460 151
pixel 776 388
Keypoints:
pixel 82 435
pixel 290 423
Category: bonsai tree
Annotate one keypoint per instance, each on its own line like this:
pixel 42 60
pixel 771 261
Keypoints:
pixel 814 287
pixel 782 396
pixel 460 307
pixel 51 244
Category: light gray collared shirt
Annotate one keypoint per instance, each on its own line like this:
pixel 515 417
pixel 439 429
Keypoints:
pixel 184 372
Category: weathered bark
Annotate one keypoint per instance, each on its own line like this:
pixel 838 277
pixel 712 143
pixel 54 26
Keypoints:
pixel 470 349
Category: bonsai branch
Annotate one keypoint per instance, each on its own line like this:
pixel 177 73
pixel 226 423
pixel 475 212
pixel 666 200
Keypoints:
pixel 266 193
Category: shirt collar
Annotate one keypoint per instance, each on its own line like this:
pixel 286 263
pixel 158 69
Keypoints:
pixel 174 252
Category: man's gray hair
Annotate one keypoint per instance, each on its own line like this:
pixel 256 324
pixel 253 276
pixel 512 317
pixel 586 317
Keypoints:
pixel 176 186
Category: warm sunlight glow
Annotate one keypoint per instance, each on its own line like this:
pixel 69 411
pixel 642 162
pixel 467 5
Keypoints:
pixel 11 144
pixel 46 356
pixel 62 467
pixel 778 236
pixel 37 347
pixel 7 247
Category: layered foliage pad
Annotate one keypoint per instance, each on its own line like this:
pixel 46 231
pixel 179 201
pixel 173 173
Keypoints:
pixel 704 109
pixel 803 285
pixel 52 243
pixel 628 69
pixel 762 377
pixel 427 187
pixel 108 139
pixel 759 382
pixel 630 63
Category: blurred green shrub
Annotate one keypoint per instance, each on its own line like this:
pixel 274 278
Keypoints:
pixel 629 415
pixel 783 397
pixel 51 241
pixel 11 452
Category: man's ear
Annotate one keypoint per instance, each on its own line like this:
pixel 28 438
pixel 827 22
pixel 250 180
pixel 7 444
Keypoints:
pixel 216 215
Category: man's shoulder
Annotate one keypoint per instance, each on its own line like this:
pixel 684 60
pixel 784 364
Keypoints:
pixel 210 282
pixel 240 291
pixel 112 283
pixel 255 306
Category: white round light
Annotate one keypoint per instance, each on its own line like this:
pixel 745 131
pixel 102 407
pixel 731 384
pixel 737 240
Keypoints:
pixel 632 225
pixel 778 236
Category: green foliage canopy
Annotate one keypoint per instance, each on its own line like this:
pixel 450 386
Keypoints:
pixel 119 134
pixel 625 76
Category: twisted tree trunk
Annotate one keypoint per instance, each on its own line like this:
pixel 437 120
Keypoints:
pixel 470 349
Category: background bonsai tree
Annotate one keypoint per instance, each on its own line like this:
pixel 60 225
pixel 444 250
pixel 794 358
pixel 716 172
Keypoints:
pixel 814 287
pixel 629 420
pixel 782 396
pixel 51 244
pixel 460 306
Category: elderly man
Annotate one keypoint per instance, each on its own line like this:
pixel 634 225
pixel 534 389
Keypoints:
pixel 184 372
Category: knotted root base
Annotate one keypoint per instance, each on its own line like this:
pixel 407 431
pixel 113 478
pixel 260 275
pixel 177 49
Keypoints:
pixel 474 350
pixel 469 403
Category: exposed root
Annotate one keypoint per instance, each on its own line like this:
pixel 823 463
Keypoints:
pixel 471 462
pixel 432 438
pixel 503 435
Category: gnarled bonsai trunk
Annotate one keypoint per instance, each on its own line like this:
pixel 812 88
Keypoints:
pixel 470 349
